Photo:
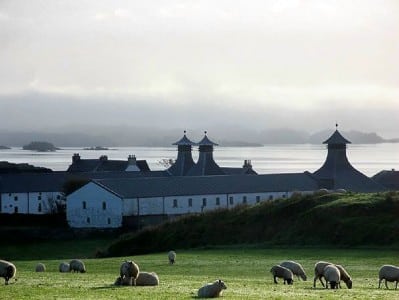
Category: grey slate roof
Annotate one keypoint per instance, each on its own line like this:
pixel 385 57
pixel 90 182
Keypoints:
pixel 184 141
pixel 54 181
pixel 100 165
pixel 389 179
pixel 237 171
pixel 206 142
pixel 336 138
pixel 204 185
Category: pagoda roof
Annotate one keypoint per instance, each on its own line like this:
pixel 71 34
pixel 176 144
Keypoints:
pixel 336 138
pixel 206 142
pixel 184 141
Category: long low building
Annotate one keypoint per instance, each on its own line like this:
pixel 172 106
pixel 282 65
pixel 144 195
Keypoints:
pixel 142 201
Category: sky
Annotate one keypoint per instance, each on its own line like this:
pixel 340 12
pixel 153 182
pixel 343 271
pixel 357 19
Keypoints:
pixel 200 64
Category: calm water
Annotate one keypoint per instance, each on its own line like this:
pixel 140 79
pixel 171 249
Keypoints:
pixel 369 159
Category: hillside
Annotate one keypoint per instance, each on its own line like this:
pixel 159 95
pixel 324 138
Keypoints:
pixel 332 219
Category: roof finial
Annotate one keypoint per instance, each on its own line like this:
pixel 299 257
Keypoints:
pixel 205 132
pixel 184 132
pixel 336 125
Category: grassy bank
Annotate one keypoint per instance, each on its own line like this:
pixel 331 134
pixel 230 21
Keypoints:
pixel 245 272
pixel 343 220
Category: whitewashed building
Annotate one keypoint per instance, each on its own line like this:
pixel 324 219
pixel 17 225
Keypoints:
pixel 107 203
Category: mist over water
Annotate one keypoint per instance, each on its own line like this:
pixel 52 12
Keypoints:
pixel 368 159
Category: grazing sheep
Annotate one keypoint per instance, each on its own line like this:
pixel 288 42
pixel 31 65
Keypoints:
pixel 344 276
pixel 212 290
pixel 146 278
pixel 124 281
pixel 129 269
pixel 318 271
pixel 282 272
pixel 389 273
pixel 40 267
pixel 172 257
pixel 7 270
pixel 64 267
pixel 332 275
pixel 77 265
pixel 295 268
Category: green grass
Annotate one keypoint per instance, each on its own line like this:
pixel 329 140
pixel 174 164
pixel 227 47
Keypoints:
pixel 245 271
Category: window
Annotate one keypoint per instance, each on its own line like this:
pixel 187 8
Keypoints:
pixel 244 199
pixel 39 197
pixel 88 220
pixel 84 204
pixel 257 199
pixel 190 202
pixel 104 205
pixel 109 221
pixel 174 202
pixel 217 201
pixel 271 197
pixel 16 209
pixel 58 197
pixel 39 207
pixel 284 196
pixel 16 198
pixel 203 201
pixel 231 200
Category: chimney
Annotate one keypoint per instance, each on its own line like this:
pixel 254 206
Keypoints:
pixel 75 157
pixel 132 164
pixel 103 158
pixel 247 164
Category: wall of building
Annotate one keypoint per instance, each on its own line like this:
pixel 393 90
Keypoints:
pixel 94 207
pixel 36 203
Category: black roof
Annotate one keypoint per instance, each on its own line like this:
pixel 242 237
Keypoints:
pixel 208 185
pixel 206 142
pixel 237 171
pixel 184 141
pixel 389 179
pixel 336 138
pixel 104 165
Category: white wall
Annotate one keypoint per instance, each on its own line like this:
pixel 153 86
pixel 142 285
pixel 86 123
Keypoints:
pixel 14 203
pixel 85 208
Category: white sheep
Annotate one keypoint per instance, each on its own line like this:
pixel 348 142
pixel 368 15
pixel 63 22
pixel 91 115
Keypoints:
pixel 295 268
pixel 40 267
pixel 172 257
pixel 389 273
pixel 212 290
pixel 146 278
pixel 64 267
pixel 332 275
pixel 7 270
pixel 129 269
pixel 318 271
pixel 77 265
pixel 282 272
pixel 344 276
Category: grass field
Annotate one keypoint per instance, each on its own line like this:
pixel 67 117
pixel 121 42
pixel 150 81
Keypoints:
pixel 244 270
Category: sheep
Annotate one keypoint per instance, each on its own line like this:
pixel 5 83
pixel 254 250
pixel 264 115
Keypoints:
pixel 64 267
pixel 40 267
pixel 389 273
pixel 77 265
pixel 344 276
pixel 146 278
pixel 295 268
pixel 127 280
pixel 318 271
pixel 212 290
pixel 129 269
pixel 7 270
pixel 282 272
pixel 332 275
pixel 172 257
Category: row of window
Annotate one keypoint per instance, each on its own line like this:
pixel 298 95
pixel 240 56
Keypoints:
pixel 104 205
pixel 217 201
pixel 38 197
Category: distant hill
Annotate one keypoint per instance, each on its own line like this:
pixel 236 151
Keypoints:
pixel 329 220
pixel 7 167
pixel 4 147
pixel 156 137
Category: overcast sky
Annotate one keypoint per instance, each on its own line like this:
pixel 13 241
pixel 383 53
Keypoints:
pixel 198 64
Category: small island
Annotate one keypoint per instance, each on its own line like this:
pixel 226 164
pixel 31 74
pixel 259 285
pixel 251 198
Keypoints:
pixel 96 148
pixel 40 147
pixel 4 147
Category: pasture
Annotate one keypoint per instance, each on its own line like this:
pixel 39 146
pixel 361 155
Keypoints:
pixel 245 270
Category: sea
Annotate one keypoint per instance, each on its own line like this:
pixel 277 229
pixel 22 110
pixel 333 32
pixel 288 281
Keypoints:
pixel 367 158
